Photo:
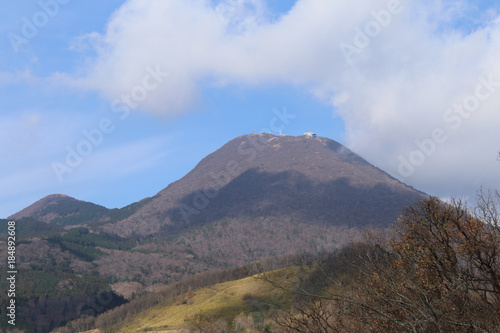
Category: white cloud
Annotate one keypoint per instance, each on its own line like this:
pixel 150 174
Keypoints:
pixel 395 91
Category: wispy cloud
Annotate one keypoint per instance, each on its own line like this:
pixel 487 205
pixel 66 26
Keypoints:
pixel 122 160
pixel 20 77
pixel 25 175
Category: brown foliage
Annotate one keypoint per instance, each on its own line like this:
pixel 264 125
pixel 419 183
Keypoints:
pixel 190 293
pixel 317 316
pixel 438 272
pixel 441 274
pixel 206 324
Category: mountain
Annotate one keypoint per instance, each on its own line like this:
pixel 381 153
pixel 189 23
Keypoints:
pixel 259 195
pixel 256 197
pixel 61 209
pixel 283 178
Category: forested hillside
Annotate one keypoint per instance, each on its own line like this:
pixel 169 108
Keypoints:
pixel 436 270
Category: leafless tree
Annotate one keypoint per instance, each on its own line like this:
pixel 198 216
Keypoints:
pixel 439 271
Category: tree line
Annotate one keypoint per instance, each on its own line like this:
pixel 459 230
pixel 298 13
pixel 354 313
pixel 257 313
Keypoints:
pixel 438 270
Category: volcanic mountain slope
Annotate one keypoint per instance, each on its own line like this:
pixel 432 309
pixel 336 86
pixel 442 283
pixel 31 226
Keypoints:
pixel 262 177
pixel 61 209
pixel 257 196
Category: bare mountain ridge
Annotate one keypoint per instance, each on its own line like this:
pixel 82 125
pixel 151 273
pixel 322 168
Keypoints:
pixel 257 196
pixel 285 178
pixel 64 210
pixel 302 179
pixel 58 206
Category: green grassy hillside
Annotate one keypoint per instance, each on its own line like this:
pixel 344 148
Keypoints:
pixel 239 305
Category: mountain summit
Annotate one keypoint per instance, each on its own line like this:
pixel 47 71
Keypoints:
pixel 257 196
pixel 264 177
pixel 61 209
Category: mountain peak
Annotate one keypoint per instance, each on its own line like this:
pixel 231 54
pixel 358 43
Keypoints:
pixel 33 209
pixel 56 206
pixel 57 196
pixel 306 179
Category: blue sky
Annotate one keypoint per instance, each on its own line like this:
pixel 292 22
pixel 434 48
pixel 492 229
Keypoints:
pixel 227 68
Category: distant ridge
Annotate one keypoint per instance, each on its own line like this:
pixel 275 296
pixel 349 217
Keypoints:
pixel 63 209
